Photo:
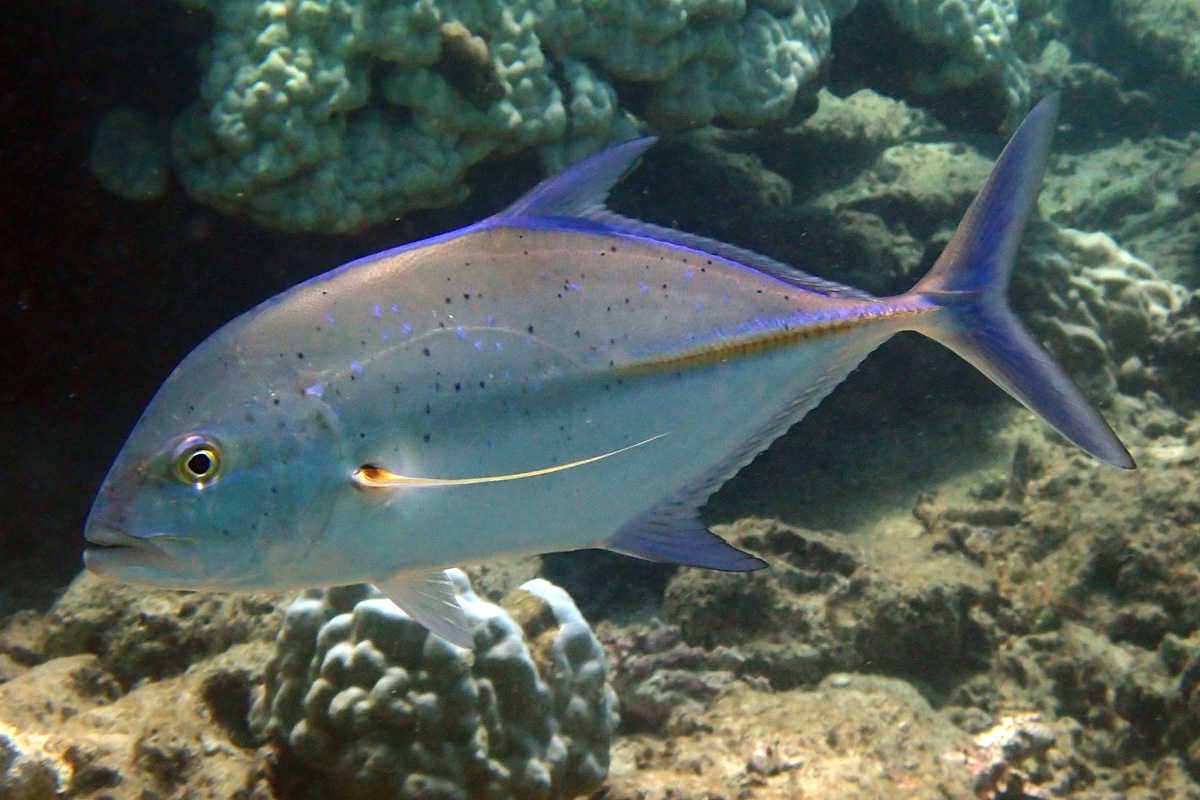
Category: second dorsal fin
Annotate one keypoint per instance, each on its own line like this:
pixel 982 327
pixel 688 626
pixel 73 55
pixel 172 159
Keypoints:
pixel 579 193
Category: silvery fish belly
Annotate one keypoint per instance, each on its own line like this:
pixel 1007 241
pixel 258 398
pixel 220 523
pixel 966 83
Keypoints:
pixel 553 378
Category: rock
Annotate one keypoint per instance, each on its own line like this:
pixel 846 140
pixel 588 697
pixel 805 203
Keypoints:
pixel 823 606
pixel 80 736
pixel 853 736
pixel 27 771
pixel 143 633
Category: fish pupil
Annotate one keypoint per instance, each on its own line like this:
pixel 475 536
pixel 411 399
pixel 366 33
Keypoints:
pixel 200 463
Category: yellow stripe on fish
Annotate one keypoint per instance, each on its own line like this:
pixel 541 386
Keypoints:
pixel 750 344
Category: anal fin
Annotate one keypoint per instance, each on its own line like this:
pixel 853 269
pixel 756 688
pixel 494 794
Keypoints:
pixel 672 533
pixel 428 597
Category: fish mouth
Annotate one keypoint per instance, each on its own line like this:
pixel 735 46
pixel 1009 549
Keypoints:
pixel 116 555
pixel 112 539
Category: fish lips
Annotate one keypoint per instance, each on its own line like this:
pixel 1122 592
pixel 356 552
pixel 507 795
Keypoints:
pixel 110 553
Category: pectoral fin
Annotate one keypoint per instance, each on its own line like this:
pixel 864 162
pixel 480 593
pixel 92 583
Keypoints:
pixel 428 597
pixel 373 477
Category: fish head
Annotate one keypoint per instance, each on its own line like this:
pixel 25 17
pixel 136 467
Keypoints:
pixel 224 483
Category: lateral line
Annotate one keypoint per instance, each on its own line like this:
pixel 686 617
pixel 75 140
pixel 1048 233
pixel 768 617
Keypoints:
pixel 754 343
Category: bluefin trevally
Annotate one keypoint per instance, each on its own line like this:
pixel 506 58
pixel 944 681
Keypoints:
pixel 554 377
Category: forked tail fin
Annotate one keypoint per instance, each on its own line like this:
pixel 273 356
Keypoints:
pixel 970 280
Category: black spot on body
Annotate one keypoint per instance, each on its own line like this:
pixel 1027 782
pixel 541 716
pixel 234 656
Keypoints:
pixel 426 351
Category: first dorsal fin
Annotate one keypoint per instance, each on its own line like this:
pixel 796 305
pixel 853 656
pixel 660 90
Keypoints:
pixel 581 189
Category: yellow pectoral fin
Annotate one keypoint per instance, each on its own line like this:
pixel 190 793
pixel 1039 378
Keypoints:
pixel 372 477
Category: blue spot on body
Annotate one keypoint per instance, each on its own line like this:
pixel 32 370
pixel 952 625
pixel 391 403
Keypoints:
pixel 378 314
pixel 478 345
pixel 330 319
pixel 698 307
pixel 395 309
pixel 644 288
pixel 383 335
pixel 406 329
pixel 724 298
pixel 491 320
pixel 687 275
pixel 574 286
pixel 314 391
pixel 499 347
pixel 355 367
pixel 460 332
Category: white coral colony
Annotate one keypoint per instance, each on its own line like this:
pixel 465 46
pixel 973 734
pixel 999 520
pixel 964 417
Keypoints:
pixel 383 708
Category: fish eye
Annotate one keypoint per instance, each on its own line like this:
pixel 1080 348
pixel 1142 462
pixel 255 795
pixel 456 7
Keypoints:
pixel 197 460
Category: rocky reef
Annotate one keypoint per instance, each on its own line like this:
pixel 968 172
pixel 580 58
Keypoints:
pixel 176 695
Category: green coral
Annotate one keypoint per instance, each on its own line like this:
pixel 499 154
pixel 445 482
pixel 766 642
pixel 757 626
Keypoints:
pixel 335 114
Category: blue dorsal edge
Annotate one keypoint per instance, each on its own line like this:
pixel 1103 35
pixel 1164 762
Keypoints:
pixel 579 193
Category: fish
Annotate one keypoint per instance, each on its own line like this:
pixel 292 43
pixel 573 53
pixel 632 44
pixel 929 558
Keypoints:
pixel 552 378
